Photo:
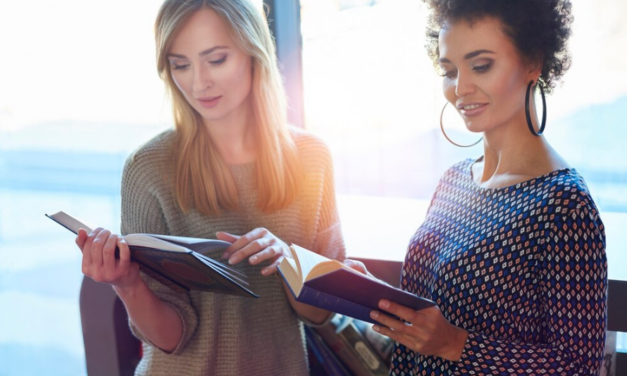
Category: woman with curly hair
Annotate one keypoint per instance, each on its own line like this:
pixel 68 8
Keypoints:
pixel 512 249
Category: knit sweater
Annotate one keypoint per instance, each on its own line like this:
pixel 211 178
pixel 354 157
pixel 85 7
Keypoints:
pixel 522 268
pixel 224 334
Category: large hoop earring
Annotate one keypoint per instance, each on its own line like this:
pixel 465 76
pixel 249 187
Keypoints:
pixel 528 113
pixel 448 139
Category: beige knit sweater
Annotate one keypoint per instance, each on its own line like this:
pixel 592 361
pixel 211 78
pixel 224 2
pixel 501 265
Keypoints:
pixel 223 334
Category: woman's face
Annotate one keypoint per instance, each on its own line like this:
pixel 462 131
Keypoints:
pixel 485 77
pixel 213 74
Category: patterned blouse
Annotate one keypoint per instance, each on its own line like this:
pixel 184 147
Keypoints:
pixel 522 268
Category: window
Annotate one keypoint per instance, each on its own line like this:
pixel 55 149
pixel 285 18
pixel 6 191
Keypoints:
pixel 371 92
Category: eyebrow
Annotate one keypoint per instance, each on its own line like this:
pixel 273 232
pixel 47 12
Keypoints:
pixel 468 56
pixel 203 53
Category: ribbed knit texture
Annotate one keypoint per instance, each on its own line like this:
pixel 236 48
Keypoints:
pixel 222 334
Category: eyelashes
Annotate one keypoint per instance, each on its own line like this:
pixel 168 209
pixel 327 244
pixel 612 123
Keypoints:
pixel 480 69
pixel 185 66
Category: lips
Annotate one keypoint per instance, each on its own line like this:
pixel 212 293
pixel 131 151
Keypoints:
pixel 209 102
pixel 472 109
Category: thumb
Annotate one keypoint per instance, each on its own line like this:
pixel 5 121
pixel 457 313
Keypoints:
pixel 357 266
pixel 221 235
pixel 81 238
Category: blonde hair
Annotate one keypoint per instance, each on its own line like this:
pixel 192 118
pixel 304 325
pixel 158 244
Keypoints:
pixel 203 181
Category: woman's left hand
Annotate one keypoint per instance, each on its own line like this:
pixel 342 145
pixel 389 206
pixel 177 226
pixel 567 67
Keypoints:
pixel 258 245
pixel 426 331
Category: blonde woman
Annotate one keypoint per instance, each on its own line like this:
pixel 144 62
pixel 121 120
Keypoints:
pixel 230 168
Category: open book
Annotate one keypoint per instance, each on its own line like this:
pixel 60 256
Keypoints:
pixel 177 262
pixel 318 281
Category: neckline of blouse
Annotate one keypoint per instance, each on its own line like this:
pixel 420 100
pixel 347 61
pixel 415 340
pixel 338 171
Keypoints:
pixel 517 185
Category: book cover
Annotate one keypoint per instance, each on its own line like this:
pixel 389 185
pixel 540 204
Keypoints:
pixel 383 345
pixel 318 281
pixel 171 261
pixel 343 350
pixel 324 355
pixel 362 349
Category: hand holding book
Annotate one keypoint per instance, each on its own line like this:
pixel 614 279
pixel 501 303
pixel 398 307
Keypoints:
pixel 329 284
pixel 99 262
pixel 177 262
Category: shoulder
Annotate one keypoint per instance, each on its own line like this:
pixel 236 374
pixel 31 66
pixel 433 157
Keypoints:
pixel 311 148
pixel 156 150
pixel 153 158
pixel 571 199
pixel 307 142
pixel 458 171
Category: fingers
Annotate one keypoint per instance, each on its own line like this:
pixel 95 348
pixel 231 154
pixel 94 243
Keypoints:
pixel 252 248
pixel 96 243
pixel 356 265
pixel 240 242
pixel 108 253
pixel 221 235
pixel 125 253
pixel 248 244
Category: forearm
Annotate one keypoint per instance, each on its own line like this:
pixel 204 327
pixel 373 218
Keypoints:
pixel 155 319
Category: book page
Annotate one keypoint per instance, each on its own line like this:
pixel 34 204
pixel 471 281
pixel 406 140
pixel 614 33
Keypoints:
pixel 199 245
pixel 148 241
pixel 290 271
pixel 312 265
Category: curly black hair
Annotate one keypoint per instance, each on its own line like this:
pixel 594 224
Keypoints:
pixel 538 28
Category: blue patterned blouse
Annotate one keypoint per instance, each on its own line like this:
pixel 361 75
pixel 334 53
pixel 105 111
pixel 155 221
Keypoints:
pixel 521 268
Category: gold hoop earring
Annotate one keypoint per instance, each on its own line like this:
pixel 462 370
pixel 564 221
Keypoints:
pixel 447 138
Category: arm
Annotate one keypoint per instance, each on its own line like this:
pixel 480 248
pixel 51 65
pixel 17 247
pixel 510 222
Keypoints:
pixel 155 319
pixel 157 314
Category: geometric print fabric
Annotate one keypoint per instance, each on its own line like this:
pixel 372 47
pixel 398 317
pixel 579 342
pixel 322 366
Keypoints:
pixel 521 268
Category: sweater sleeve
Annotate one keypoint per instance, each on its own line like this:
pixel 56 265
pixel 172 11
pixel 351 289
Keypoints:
pixel 329 241
pixel 574 288
pixel 142 212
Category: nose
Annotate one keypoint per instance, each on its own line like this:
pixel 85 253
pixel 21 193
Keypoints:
pixel 463 85
pixel 202 79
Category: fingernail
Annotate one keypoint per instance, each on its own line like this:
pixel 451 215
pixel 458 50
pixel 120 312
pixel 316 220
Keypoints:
pixel 233 260
pixel 265 271
pixel 384 304
pixel 253 259
pixel 375 328
pixel 374 314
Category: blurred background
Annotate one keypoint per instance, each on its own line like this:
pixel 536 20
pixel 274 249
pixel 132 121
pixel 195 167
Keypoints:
pixel 79 92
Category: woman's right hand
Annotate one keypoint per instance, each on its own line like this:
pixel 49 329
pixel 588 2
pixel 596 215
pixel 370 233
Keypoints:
pixel 99 262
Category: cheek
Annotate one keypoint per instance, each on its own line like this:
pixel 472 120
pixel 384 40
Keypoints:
pixel 448 88
pixel 179 81
pixel 240 76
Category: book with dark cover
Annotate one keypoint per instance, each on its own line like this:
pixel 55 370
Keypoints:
pixel 175 261
pixel 318 281
pixel 352 347
pixel 343 350
pixel 383 345
pixel 324 355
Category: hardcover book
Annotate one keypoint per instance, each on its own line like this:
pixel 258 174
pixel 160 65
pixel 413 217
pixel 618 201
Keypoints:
pixel 175 261
pixel 352 347
pixel 321 282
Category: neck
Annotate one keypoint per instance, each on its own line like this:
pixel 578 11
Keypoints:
pixel 512 154
pixel 233 136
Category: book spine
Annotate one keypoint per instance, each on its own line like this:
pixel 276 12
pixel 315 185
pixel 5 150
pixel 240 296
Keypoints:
pixel 364 351
pixel 311 296
pixel 383 345
pixel 343 350
pixel 324 355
